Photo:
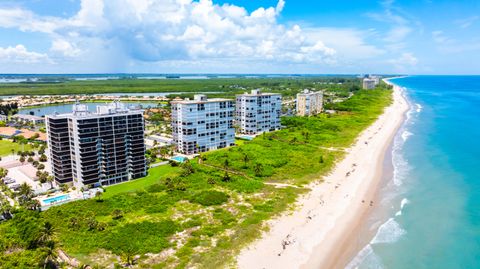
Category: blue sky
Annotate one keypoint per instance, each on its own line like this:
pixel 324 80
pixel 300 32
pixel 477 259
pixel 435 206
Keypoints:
pixel 240 36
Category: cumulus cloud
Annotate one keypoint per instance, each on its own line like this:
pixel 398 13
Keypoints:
pixel 20 54
pixel 64 48
pixel 165 30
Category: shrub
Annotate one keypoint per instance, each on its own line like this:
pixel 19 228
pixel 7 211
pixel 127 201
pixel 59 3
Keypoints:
pixel 156 188
pixel 208 198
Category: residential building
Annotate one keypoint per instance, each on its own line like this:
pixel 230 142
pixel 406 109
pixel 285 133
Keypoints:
pixel 258 112
pixel 376 78
pixel 369 83
pixel 97 148
pixel 309 103
pixel 28 119
pixel 202 124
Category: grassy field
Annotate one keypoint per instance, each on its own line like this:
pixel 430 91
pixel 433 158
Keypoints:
pixel 202 213
pixel 6 147
pixel 288 86
pixel 153 177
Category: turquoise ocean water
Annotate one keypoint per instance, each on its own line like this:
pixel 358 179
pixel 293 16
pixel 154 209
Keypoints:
pixel 428 215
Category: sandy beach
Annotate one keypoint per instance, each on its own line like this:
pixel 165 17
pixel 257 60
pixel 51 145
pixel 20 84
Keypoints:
pixel 321 232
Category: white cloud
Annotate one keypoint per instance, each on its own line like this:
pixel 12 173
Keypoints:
pixel 349 44
pixel 400 25
pixel 161 30
pixel 398 33
pixel 467 22
pixel 125 33
pixel 64 48
pixel 440 38
pixel 405 63
pixel 20 54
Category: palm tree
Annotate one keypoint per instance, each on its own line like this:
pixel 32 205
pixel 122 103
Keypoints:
pixel 33 204
pixel 128 257
pixel 25 192
pixel 50 179
pixel 225 164
pixel 98 196
pixel 3 173
pixel 245 159
pixel 258 169
pixel 50 255
pixel 46 233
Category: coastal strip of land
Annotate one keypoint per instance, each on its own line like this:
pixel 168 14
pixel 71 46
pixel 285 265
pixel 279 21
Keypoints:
pixel 322 228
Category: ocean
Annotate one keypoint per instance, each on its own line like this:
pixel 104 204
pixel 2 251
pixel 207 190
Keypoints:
pixel 428 215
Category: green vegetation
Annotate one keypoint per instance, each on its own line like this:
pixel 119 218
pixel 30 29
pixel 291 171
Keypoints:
pixel 142 184
pixel 227 86
pixel 8 147
pixel 202 212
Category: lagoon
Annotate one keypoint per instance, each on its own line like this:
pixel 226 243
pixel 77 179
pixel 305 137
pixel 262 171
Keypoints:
pixel 67 108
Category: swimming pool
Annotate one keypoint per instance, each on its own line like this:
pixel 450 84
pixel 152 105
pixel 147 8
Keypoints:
pixel 245 137
pixel 57 199
pixel 179 159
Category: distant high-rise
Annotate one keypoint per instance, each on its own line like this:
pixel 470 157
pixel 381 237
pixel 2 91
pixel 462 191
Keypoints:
pixel 370 83
pixel 97 148
pixel 202 124
pixel 309 103
pixel 258 112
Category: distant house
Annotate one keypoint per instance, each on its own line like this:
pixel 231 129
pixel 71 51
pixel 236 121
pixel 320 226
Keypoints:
pixel 10 132
pixel 28 119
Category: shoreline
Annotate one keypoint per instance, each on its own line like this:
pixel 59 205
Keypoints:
pixel 322 231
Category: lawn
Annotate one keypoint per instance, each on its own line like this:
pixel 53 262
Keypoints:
pixel 154 176
pixel 6 147
pixel 202 213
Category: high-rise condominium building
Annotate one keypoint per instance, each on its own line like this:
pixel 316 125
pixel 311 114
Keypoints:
pixel 202 124
pixel 369 83
pixel 97 148
pixel 258 112
pixel 309 103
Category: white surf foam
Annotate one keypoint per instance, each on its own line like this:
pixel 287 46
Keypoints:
pixel 406 135
pixel 419 108
pixel 389 232
pixel 400 164
pixel 366 258
pixel 402 204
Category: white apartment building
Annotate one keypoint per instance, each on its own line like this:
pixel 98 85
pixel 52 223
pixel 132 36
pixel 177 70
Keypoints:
pixel 309 103
pixel 97 148
pixel 370 83
pixel 202 124
pixel 376 78
pixel 258 112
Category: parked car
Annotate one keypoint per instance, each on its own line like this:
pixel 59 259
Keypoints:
pixel 14 186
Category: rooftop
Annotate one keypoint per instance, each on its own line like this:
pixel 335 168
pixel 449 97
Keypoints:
pixel 114 108
pixel 200 99
pixel 309 92
pixel 258 92
pixel 27 117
